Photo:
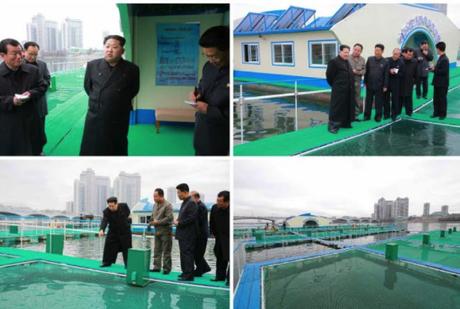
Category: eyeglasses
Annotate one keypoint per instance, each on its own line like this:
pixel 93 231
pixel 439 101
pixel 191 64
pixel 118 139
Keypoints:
pixel 15 54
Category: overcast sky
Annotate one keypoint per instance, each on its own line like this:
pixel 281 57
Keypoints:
pixel 323 8
pixel 343 186
pixel 97 16
pixel 48 183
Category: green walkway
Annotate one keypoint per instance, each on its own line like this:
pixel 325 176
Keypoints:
pixel 15 256
pixel 304 140
pixel 66 119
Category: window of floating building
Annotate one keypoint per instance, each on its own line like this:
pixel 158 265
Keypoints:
pixel 321 52
pixel 283 53
pixel 251 53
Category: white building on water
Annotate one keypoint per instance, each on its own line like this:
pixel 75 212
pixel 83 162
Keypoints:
pixel 297 44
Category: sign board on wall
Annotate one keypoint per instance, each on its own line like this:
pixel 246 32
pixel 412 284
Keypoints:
pixel 177 54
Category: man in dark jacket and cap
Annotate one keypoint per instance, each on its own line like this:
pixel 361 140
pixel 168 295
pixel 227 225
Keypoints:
pixel 111 84
pixel 339 75
pixel 31 50
pixel 212 96
pixel 202 240
pixel 186 231
pixel 119 238
pixel 220 229
pixel 423 55
pixel 21 86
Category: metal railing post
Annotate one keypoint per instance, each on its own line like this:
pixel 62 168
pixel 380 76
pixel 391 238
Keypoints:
pixel 241 114
pixel 295 100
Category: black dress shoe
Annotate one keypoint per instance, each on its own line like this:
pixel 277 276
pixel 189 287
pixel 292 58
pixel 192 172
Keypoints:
pixel 433 116
pixel 442 117
pixel 425 97
pixel 367 118
pixel 188 278
pixel 333 130
pixel 393 118
pixel 218 279
pixel 378 119
pixel 105 265
pixel 166 272
pixel 155 270
pixel 357 120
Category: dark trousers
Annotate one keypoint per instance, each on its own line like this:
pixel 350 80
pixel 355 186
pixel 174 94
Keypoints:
pixel 38 136
pixel 378 95
pixel 221 262
pixel 422 82
pixel 392 95
pixel 440 101
pixel 201 265
pixel 187 255
pixel 406 101
pixel 111 248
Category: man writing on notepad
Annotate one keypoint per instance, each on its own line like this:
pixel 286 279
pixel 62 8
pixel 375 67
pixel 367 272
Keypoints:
pixel 20 88
pixel 212 96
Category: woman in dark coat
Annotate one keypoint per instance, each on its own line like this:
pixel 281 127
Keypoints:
pixel 339 75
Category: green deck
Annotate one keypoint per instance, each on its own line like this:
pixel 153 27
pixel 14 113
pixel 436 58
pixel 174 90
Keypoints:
pixel 28 256
pixel 66 119
pixel 307 139
pixel 442 251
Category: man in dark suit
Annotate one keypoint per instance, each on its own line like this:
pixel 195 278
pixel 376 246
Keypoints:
pixel 186 231
pixel 119 237
pixel 202 240
pixel 31 50
pixel 339 75
pixel 212 96
pixel 423 55
pixel 440 82
pixel 111 84
pixel 20 88
pixel 220 228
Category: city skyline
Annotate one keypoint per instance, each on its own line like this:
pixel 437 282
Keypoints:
pixel 25 182
pixel 95 23
pixel 338 187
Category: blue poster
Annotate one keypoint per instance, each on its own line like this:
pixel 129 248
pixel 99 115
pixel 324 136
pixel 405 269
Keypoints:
pixel 177 54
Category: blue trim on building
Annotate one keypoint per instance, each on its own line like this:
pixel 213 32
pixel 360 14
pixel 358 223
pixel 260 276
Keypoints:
pixel 424 6
pixel 268 77
pixel 319 66
pixel 142 116
pixel 453 65
pixel 325 28
pixel 258 52
pixel 273 53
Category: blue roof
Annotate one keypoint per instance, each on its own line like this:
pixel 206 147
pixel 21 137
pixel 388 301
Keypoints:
pixel 294 19
pixel 318 22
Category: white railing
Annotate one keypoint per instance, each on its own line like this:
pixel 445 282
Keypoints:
pixel 241 100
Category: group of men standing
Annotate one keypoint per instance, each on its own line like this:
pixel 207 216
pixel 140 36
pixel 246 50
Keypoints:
pixel 111 84
pixel 389 83
pixel 24 81
pixel 192 232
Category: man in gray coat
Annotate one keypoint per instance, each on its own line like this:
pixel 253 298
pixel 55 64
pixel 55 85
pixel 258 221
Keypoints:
pixel 162 219
pixel 358 65
pixel 31 50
